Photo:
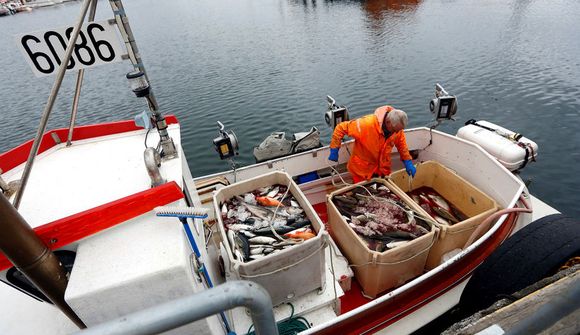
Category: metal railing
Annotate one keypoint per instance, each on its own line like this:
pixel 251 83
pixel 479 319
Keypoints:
pixel 183 311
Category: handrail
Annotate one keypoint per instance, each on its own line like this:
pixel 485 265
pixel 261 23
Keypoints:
pixel 182 311
pixel 50 102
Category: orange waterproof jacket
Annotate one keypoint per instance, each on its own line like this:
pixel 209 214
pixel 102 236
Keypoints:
pixel 372 151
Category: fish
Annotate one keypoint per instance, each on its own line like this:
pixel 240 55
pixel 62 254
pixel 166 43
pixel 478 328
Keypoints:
pixel 395 244
pixel 445 214
pixel 300 224
pixel 345 199
pixel 440 220
pixel 294 203
pixel 439 201
pixel 274 192
pixel 261 213
pixel 460 216
pixel 238 254
pixel 250 198
pixel 294 210
pixel 247 233
pixel 240 226
pixel 279 230
pixel 268 201
pixel 300 235
pixel 262 240
pixel 243 245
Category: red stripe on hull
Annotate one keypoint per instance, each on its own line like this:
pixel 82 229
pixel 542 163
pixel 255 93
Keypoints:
pixel 78 226
pixel 19 155
pixel 403 304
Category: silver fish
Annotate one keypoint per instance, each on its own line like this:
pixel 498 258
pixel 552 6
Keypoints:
pixel 247 233
pixel 256 251
pixel 445 214
pixel 262 213
pixel 294 210
pixel 395 244
pixel 294 203
pixel 440 202
pixel 250 199
pixel 262 240
pixel 240 226
pixel 274 192
pixel 440 220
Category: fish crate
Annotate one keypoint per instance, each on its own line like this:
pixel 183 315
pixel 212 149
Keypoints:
pixel 285 274
pixel 376 271
pixel 461 194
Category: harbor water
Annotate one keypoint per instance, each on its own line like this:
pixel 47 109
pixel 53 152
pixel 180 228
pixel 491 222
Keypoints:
pixel 261 66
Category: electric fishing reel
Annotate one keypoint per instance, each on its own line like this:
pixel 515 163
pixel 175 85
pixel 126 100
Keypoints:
pixel 335 114
pixel 226 144
pixel 444 106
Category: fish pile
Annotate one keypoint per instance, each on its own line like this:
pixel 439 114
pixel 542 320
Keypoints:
pixel 436 206
pixel 379 216
pixel 264 221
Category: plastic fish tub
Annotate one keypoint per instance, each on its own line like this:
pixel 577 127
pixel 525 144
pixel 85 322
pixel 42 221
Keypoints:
pixel 288 273
pixel 375 271
pixel 475 204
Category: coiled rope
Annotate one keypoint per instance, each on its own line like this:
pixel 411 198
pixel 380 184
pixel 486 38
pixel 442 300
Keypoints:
pixel 290 326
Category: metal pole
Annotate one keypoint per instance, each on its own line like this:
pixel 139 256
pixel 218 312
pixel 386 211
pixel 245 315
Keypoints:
pixel 33 258
pixel 168 150
pixel 50 102
pixel 79 84
pixel 179 312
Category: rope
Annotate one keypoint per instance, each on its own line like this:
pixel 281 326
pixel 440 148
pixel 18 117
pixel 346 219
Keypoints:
pixel 290 326
pixel 333 279
pixel 270 224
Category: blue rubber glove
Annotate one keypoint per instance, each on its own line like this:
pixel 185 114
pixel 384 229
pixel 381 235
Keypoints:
pixel 333 154
pixel 410 168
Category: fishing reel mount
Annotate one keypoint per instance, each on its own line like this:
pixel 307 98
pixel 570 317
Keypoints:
pixel 444 106
pixel 335 114
pixel 226 144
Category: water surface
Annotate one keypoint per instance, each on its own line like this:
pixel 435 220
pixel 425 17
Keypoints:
pixel 261 66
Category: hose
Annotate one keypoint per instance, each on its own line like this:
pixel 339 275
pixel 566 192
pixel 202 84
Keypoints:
pixel 484 225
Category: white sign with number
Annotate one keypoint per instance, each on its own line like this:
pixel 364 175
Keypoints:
pixel 97 44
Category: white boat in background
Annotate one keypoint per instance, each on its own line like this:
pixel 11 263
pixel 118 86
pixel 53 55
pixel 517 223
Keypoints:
pixel 91 196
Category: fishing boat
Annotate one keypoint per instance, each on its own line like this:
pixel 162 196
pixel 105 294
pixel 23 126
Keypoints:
pixel 83 244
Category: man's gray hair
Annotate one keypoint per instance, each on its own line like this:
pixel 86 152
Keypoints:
pixel 398 117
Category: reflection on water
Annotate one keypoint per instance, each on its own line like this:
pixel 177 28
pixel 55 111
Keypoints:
pixel 261 66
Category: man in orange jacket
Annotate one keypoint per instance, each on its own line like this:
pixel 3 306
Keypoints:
pixel 374 135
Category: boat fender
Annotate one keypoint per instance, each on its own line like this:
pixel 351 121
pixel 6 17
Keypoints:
pixel 515 137
pixel 511 149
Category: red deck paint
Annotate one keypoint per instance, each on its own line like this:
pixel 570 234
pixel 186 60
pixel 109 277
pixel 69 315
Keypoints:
pixel 12 158
pixel 73 228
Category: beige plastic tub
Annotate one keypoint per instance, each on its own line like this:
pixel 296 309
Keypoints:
pixel 286 274
pixel 475 204
pixel 375 271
